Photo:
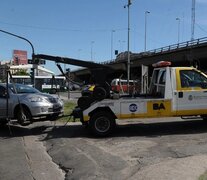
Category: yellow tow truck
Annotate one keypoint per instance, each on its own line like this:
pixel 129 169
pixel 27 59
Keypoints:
pixel 173 92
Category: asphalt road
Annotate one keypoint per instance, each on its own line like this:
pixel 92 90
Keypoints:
pixel 144 149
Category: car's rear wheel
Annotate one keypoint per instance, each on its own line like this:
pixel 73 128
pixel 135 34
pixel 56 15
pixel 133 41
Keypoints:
pixel 24 116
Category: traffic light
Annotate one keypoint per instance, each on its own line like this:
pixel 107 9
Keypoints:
pixel 30 61
pixel 32 72
pixel 36 61
pixel 32 75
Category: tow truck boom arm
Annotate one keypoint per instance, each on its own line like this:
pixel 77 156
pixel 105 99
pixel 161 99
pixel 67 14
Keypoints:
pixel 76 62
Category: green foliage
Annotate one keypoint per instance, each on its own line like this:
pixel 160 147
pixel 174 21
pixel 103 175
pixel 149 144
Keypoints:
pixel 203 176
pixel 68 108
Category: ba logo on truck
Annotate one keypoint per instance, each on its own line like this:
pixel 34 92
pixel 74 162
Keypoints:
pixel 157 106
pixel 133 107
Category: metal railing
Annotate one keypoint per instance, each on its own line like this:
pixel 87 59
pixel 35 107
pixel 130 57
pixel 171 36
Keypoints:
pixel 165 49
pixel 178 46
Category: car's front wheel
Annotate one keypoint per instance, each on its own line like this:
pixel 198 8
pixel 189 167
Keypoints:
pixel 24 116
pixel 3 122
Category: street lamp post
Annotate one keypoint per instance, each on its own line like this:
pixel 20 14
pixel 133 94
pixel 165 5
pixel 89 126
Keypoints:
pixel 178 19
pixel 112 44
pixel 128 43
pixel 145 31
pixel 34 66
pixel 92 42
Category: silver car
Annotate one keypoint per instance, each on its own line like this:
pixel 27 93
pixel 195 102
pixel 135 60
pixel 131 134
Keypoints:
pixel 27 104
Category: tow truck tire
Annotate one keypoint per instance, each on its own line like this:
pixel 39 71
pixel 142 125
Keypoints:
pixel 84 102
pixel 102 123
pixel 99 93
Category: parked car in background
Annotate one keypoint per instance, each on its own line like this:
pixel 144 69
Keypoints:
pixel 73 86
pixel 121 86
pixel 26 104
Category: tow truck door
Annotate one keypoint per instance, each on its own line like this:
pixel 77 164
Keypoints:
pixel 191 95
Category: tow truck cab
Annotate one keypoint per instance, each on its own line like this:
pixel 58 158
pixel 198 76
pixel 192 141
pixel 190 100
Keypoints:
pixel 173 91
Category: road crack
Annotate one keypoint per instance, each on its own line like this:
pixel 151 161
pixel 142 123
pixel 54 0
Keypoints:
pixel 28 158
pixel 40 162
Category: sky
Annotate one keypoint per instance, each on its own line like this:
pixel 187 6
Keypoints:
pixel 92 30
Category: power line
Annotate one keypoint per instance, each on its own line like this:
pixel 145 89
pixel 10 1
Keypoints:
pixel 201 28
pixel 193 20
pixel 62 29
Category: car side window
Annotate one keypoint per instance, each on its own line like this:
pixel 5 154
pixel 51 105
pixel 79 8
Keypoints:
pixel 2 92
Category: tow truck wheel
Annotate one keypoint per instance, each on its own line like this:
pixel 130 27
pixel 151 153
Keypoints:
pixel 102 123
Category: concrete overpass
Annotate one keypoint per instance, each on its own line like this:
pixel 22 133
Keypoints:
pixel 183 54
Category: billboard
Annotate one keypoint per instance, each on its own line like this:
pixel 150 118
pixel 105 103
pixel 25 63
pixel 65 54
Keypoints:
pixel 19 57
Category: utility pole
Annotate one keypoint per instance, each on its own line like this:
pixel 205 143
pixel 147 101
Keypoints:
pixel 112 44
pixel 193 20
pixel 178 19
pixel 145 32
pixel 128 43
pixel 92 42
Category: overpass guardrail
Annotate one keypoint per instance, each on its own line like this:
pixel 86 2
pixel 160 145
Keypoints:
pixel 165 49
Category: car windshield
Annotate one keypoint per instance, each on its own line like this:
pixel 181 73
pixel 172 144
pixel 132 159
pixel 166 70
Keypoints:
pixel 22 89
